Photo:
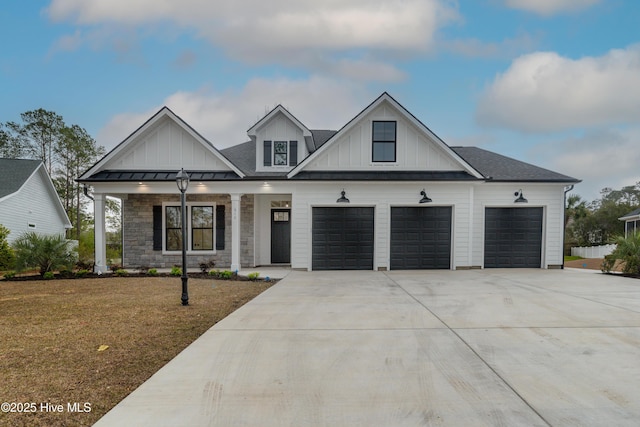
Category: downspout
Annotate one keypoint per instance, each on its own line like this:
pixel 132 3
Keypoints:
pixel 86 192
pixel 564 212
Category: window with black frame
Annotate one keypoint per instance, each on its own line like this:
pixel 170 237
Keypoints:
pixel 384 141
pixel 202 228
pixel 173 226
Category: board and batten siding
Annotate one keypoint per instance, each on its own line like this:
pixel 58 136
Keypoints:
pixel 35 203
pixel 279 128
pixel 363 194
pixel 414 149
pixel 167 146
pixel 548 196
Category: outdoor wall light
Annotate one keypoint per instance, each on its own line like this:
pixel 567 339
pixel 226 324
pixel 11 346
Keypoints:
pixel 520 198
pixel 342 198
pixel 182 181
pixel 425 198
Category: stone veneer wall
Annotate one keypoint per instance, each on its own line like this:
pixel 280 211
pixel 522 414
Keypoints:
pixel 138 232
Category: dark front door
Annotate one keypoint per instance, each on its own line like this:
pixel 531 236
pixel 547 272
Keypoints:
pixel 421 237
pixel 342 238
pixel 513 237
pixel 280 236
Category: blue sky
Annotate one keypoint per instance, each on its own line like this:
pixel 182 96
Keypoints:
pixel 552 82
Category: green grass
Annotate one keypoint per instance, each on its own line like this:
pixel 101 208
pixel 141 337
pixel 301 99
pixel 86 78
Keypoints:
pixel 572 258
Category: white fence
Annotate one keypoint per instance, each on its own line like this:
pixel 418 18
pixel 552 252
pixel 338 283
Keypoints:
pixel 593 251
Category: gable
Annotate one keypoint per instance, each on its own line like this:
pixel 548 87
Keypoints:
pixel 279 127
pixel 407 146
pixel 166 146
pixel 35 206
pixel 164 142
pixel 415 150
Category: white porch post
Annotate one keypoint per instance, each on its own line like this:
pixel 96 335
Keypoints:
pixel 235 231
pixel 99 231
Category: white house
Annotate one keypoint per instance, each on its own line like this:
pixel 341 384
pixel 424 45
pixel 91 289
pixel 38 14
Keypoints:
pixel 383 192
pixel 28 199
pixel 631 222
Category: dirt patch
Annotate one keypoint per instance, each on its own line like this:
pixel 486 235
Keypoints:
pixel 590 264
pixel 54 333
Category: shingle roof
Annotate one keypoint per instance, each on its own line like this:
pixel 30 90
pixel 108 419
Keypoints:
pixel 14 173
pixel 496 167
pixel 631 214
pixel 321 136
pixel 243 156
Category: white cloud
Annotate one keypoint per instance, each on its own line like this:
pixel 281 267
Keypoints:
pixel 543 91
pixel 224 117
pixel 602 158
pixel 277 30
pixel 550 7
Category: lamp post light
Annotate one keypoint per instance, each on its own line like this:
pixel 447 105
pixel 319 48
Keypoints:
pixel 182 180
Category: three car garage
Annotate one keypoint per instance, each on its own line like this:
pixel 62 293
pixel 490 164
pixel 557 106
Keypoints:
pixel 343 238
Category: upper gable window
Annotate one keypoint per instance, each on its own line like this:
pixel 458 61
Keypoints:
pixel 280 153
pixel 384 141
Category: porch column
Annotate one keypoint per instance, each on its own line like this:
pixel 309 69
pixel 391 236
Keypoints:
pixel 235 231
pixel 99 231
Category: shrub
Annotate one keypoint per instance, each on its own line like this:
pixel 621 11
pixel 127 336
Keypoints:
pixel 9 275
pixel 253 276
pixel 205 266
pixel 121 272
pixel 45 252
pixel 152 272
pixel 7 257
pixel 48 275
pixel 628 251
pixel 176 271
pixel 227 274
pixel 82 273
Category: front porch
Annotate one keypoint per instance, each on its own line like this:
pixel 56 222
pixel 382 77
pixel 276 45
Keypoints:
pixel 233 230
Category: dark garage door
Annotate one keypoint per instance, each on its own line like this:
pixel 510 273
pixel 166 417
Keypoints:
pixel 420 238
pixel 513 237
pixel 342 239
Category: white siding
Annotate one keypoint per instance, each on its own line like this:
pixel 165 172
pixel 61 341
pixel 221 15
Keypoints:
pixel 33 204
pixel 414 149
pixel 383 196
pixel 167 146
pixel 279 128
pixel 262 218
pixel 548 196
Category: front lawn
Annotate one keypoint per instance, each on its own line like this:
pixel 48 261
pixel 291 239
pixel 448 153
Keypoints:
pixel 54 334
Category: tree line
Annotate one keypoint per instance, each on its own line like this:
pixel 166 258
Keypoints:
pixel 596 223
pixel 65 150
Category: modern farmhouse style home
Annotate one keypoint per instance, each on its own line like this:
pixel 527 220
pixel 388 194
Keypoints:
pixel 383 192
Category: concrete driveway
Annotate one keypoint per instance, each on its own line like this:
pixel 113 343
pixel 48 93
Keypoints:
pixel 441 348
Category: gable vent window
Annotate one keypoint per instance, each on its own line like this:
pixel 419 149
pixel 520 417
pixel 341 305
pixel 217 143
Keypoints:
pixel 384 141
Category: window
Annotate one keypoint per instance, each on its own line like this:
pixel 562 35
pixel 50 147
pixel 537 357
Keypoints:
pixel 173 221
pixel 200 228
pixel 280 151
pixel 384 141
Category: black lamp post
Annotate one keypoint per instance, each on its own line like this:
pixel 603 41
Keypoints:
pixel 182 179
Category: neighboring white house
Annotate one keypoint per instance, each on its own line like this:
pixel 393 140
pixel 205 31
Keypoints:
pixel 631 222
pixel 28 199
pixel 384 192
